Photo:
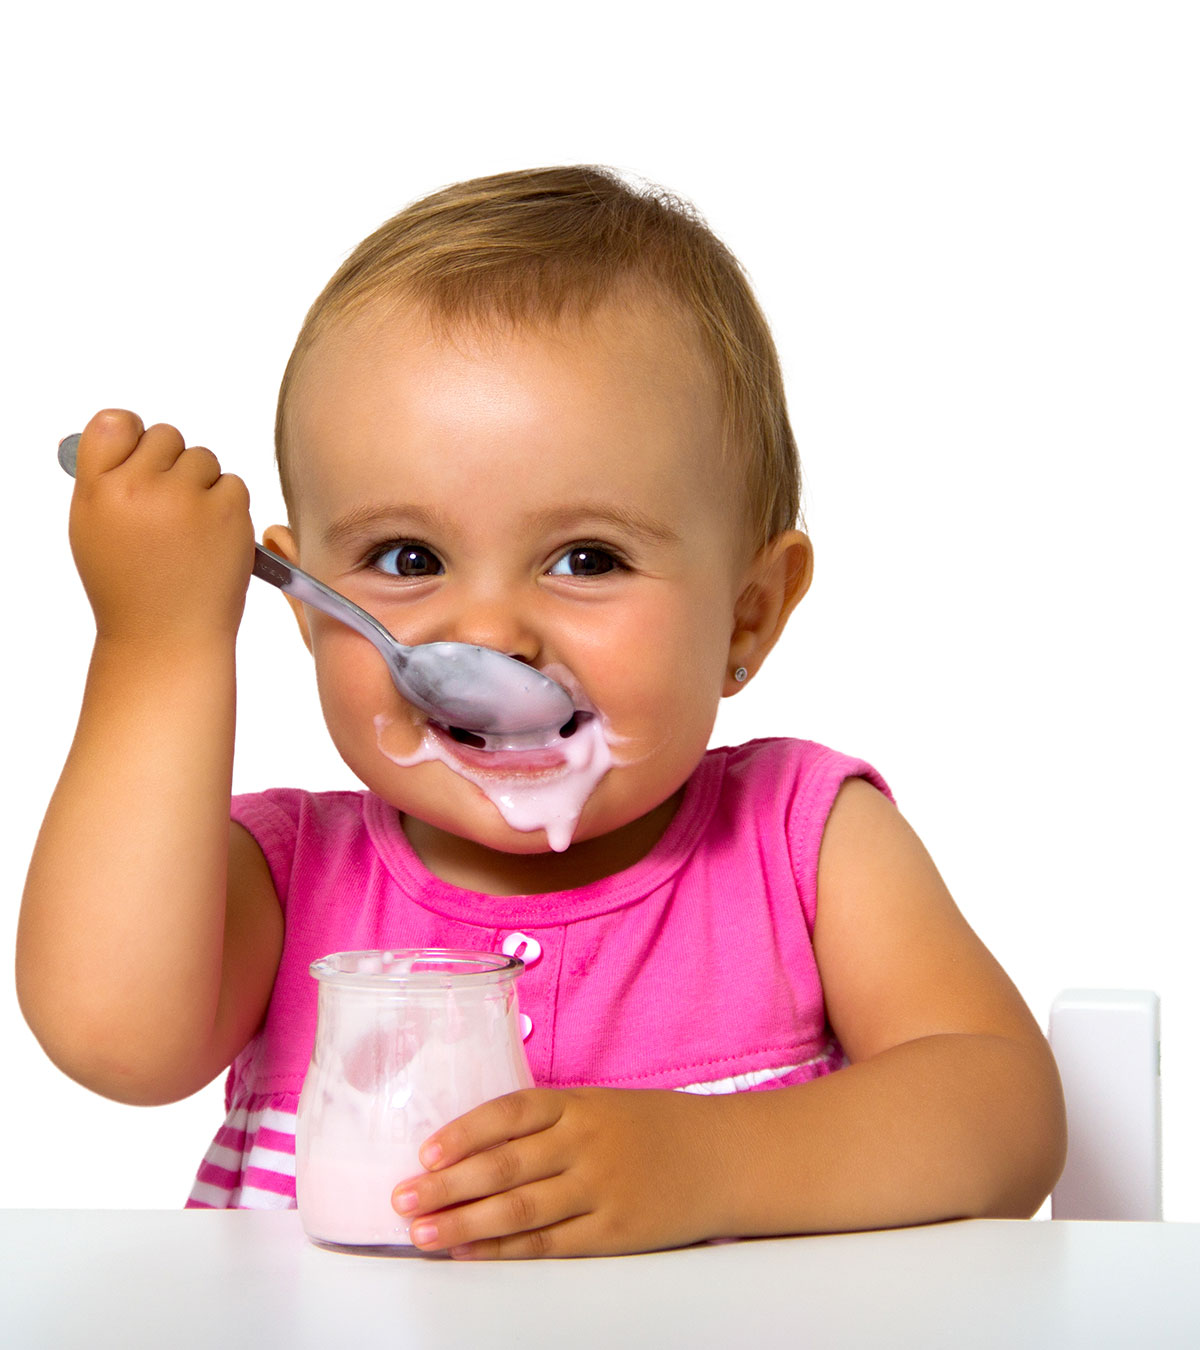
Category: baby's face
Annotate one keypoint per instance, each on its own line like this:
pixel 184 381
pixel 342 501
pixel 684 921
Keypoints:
pixel 556 494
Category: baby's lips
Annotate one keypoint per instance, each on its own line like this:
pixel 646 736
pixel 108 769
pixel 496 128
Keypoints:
pixel 499 753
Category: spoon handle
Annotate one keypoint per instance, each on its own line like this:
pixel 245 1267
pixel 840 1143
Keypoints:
pixel 293 581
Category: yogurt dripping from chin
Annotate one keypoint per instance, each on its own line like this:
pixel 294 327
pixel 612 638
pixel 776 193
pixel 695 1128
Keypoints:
pixel 534 782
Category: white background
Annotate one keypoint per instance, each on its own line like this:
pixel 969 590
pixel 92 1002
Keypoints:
pixel 974 227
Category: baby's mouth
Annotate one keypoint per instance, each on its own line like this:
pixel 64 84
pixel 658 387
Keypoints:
pixel 528 751
pixel 481 740
pixel 534 780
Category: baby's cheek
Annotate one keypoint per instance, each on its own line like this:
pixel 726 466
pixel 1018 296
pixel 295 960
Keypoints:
pixel 351 675
pixel 355 689
pixel 398 739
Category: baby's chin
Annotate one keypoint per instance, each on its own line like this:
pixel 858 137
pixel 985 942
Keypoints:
pixel 461 812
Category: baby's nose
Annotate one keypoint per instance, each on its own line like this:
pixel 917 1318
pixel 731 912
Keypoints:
pixel 496 622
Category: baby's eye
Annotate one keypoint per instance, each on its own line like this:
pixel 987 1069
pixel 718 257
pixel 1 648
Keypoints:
pixel 585 561
pixel 407 560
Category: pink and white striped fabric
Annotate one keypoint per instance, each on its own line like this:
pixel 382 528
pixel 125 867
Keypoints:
pixel 251 1164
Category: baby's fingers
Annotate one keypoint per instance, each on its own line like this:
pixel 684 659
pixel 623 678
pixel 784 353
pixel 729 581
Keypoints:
pixel 525 1217
pixel 107 441
pixel 495 1122
pixel 493 1172
pixel 115 439
pixel 199 466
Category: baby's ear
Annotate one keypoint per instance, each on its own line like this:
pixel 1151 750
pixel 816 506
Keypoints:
pixel 279 539
pixel 775 583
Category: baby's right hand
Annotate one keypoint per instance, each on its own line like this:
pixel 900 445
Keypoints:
pixel 162 539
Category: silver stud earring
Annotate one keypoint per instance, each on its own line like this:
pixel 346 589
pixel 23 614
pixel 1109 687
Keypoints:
pixel 741 674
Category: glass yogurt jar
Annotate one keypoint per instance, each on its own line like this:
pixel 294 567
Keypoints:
pixel 406 1041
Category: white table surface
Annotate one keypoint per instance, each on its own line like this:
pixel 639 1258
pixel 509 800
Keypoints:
pixel 128 1279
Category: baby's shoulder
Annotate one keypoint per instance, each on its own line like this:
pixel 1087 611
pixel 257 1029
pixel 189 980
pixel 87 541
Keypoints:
pixel 307 836
pixel 788 785
pixel 784 764
pixel 284 815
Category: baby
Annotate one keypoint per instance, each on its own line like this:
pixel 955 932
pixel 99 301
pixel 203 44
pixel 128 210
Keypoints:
pixel 540 412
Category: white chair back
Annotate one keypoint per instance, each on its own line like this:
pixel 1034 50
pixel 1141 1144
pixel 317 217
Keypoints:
pixel 1106 1042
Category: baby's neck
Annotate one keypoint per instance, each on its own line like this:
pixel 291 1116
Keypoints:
pixel 474 867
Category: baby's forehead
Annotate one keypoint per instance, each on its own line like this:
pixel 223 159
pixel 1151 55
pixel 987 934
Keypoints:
pixel 628 346
pixel 611 372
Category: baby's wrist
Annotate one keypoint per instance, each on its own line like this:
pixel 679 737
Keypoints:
pixel 710 1151
pixel 179 659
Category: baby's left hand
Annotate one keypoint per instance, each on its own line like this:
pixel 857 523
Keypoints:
pixel 566 1172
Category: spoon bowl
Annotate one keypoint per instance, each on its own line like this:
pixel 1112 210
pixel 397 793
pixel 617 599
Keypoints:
pixel 458 685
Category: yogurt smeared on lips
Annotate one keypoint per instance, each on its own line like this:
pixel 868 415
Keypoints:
pixel 535 782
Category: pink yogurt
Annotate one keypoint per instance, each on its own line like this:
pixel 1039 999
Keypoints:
pixel 406 1041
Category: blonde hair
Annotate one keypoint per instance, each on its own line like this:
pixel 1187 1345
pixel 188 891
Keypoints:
pixel 539 244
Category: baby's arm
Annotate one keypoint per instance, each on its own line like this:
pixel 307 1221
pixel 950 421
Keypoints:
pixel 951 1106
pixel 149 932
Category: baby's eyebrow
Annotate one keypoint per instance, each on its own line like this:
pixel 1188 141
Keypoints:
pixel 369 520
pixel 586 516
pixel 581 517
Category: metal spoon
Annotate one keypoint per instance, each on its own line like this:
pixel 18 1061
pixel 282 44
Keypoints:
pixel 457 684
